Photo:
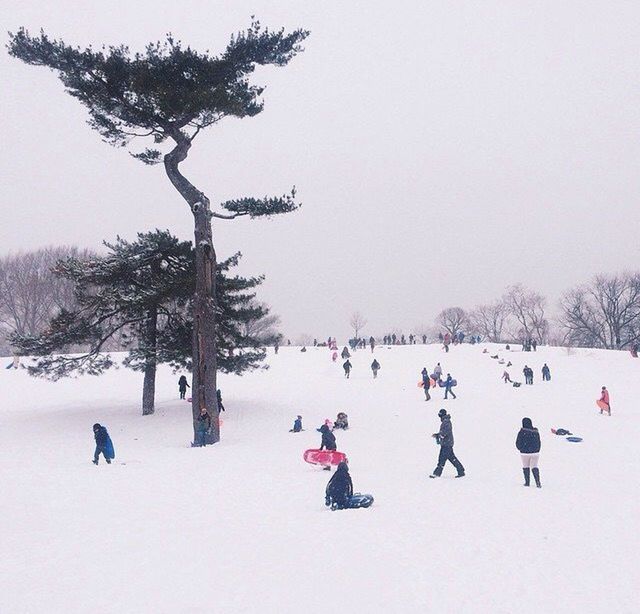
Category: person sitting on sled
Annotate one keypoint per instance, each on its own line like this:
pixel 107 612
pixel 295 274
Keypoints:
pixel 342 421
pixel 339 489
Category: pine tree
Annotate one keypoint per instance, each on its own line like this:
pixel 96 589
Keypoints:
pixel 171 93
pixel 143 290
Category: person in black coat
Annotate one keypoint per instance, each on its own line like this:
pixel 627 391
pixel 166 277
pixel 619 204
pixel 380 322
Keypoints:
pixel 219 397
pixel 528 444
pixel 102 438
pixel 375 367
pixel 328 438
pixel 444 437
pixel 347 368
pixel 182 386
pixel 297 425
pixel 339 489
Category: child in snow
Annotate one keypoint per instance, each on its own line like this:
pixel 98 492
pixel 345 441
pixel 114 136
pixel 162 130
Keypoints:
pixel 345 353
pixel 375 367
pixel 438 372
pixel 202 427
pixel 506 377
pixel 182 386
pixel 426 383
pixel 297 425
pixel 604 398
pixel 328 438
pixel 103 443
pixel 347 368
pixel 528 444
pixel 342 422
pixel 339 489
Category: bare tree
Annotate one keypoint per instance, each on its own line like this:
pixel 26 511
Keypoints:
pixel 357 322
pixel 452 319
pixel 264 329
pixel 30 294
pixel 604 313
pixel 528 309
pixel 490 321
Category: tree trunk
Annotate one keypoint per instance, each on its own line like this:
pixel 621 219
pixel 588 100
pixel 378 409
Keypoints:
pixel 203 391
pixel 204 322
pixel 150 364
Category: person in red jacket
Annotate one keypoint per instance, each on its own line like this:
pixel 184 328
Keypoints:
pixel 605 400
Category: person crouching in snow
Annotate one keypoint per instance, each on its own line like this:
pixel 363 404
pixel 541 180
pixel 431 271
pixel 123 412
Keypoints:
pixel 528 444
pixel 339 489
pixel 102 443
pixel 506 377
pixel 604 398
pixel 342 421
pixel 202 427
pixel 297 425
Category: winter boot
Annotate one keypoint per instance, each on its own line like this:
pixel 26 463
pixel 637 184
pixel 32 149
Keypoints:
pixel 527 475
pixel 460 475
pixel 108 461
pixel 95 462
pixel 536 477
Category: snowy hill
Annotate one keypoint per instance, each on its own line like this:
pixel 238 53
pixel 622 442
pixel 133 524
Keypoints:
pixel 242 527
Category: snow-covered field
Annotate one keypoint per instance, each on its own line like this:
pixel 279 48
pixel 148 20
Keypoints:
pixel 242 527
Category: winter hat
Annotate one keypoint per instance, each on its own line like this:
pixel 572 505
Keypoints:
pixel 299 417
pixel 526 423
pixel 342 467
pixel 442 413
pixel 96 426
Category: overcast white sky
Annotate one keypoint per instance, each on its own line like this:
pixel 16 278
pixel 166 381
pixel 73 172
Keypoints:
pixel 442 150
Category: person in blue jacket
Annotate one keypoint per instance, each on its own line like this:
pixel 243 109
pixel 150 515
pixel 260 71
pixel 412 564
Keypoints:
pixel 528 444
pixel 297 425
pixel 103 444
pixel 448 384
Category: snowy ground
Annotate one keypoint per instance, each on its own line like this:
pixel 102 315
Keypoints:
pixel 242 527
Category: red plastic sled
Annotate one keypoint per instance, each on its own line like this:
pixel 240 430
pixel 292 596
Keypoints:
pixel 324 457
pixel 602 405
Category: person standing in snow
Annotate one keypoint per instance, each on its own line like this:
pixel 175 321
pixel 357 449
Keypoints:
pixel 347 368
pixel 202 428
pixel 448 385
pixel 604 398
pixel 345 353
pixel 102 443
pixel 375 367
pixel 528 375
pixel 276 347
pixel 297 425
pixel 339 489
pixel 426 383
pixel 182 386
pixel 546 373
pixel 444 438
pixel 328 441
pixel 219 398
pixel 438 372
pixel 372 343
pixel 528 444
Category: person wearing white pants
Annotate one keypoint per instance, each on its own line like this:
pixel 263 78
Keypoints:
pixel 528 444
